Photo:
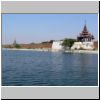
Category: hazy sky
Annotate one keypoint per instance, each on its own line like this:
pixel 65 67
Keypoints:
pixel 27 28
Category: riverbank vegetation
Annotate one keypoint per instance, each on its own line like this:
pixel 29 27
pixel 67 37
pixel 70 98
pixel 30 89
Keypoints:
pixel 67 43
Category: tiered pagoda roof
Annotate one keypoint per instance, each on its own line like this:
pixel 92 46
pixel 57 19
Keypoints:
pixel 85 36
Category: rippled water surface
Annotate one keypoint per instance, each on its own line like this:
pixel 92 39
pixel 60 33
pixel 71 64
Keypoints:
pixel 36 68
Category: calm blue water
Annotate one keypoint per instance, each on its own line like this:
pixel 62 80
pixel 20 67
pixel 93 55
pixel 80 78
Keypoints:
pixel 36 68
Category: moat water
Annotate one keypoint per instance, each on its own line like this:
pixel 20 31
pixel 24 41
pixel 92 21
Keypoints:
pixel 38 68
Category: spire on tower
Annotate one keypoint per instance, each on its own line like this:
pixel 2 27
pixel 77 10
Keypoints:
pixel 85 22
pixel 85 30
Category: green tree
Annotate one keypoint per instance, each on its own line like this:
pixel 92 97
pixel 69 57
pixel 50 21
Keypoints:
pixel 51 41
pixel 67 43
pixel 17 46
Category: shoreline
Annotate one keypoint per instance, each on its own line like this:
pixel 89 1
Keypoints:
pixel 26 49
pixel 83 51
pixel 71 51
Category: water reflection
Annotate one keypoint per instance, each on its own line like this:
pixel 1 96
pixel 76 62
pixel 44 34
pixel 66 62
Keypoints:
pixel 57 61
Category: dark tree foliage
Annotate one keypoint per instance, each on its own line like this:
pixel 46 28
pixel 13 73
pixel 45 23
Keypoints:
pixel 17 46
pixel 68 42
pixel 51 41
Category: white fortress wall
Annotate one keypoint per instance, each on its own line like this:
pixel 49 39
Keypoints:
pixel 76 45
pixel 57 45
pixel 83 45
pixel 88 45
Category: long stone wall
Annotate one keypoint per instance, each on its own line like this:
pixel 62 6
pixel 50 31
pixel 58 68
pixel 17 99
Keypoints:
pixel 30 46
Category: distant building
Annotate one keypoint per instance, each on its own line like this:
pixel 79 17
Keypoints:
pixel 84 40
pixel 85 36
pixel 14 43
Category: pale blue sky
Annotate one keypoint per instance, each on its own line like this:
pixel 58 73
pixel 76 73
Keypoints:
pixel 27 28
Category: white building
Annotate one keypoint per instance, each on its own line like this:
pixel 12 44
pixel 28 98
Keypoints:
pixel 85 40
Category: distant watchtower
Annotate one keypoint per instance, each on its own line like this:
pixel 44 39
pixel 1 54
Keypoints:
pixel 14 43
pixel 85 36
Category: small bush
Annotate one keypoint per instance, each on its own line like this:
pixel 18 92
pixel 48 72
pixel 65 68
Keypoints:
pixel 17 46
